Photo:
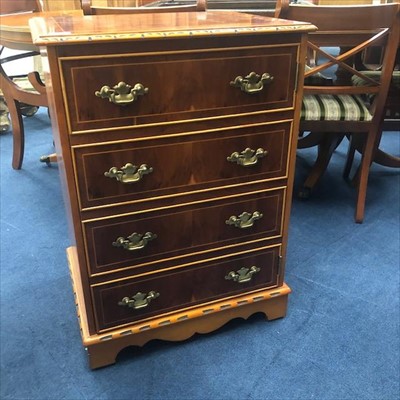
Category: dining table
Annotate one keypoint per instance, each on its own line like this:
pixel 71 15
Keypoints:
pixel 28 90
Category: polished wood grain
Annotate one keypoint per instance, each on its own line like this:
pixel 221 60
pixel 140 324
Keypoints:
pixel 60 6
pixel 102 28
pixel 176 96
pixel 182 289
pixel 93 7
pixel 181 232
pixel 102 349
pixel 193 163
pixel 15 31
pixel 19 6
pixel 185 132
pixel 365 18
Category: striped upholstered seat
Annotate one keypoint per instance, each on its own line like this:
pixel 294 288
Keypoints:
pixel 330 107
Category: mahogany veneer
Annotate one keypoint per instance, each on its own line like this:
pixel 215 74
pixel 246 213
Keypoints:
pixel 157 188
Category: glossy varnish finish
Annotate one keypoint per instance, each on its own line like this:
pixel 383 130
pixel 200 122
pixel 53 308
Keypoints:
pixel 199 238
pixel 64 30
pixel 207 282
pixel 169 91
pixel 194 163
pixel 181 232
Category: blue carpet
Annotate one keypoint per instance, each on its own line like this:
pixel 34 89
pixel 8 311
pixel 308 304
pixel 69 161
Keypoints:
pixel 340 339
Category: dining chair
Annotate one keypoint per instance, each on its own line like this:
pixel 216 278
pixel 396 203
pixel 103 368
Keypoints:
pixel 392 106
pixel 329 112
pixel 24 93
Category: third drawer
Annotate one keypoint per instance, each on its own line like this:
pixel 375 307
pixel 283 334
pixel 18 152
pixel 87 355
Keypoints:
pixel 149 240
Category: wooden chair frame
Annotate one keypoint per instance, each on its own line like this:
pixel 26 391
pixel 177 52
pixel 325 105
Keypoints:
pixel 390 124
pixel 376 25
pixel 15 95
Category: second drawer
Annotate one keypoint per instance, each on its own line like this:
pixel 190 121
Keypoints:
pixel 181 164
pixel 140 240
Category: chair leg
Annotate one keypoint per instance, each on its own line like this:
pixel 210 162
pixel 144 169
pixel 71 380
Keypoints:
pixel 14 97
pixel 362 176
pixel 350 157
pixel 18 134
pixel 326 148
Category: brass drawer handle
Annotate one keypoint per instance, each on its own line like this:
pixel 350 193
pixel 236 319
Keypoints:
pixel 134 242
pixel 247 157
pixel 122 94
pixel 139 300
pixel 129 173
pixel 243 274
pixel 244 220
pixel 252 83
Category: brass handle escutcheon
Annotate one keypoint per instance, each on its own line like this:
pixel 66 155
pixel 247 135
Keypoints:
pixel 129 173
pixel 139 300
pixel 244 220
pixel 122 93
pixel 247 157
pixel 136 241
pixel 252 83
pixel 243 274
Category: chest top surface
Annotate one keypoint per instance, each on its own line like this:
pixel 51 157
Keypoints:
pixel 78 29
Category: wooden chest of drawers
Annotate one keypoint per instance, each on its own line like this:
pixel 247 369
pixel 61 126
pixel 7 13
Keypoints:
pixel 176 149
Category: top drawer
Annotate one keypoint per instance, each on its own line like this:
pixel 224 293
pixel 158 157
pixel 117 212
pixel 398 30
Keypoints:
pixel 178 85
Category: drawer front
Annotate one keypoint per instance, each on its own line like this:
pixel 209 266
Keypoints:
pixel 145 241
pixel 169 169
pixel 176 86
pixel 122 302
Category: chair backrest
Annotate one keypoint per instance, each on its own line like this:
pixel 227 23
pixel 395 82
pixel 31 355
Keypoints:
pixel 93 8
pixel 353 29
pixel 340 18
pixel 18 6
pixel 283 5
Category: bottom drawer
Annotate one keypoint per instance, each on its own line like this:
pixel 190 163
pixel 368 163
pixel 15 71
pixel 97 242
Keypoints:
pixel 122 302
